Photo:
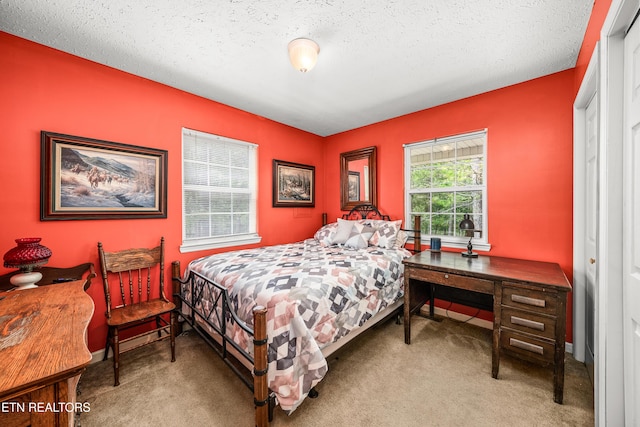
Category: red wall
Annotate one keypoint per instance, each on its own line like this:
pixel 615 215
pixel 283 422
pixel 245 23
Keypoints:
pixel 45 89
pixel 529 162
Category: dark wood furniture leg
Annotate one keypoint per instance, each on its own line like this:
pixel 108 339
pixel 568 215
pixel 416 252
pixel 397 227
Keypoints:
pixel 173 320
pixel 495 350
pixel 416 294
pixel 558 359
pixel 116 357
pixel 407 309
pixel 432 301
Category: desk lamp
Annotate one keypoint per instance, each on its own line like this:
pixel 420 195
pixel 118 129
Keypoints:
pixel 26 256
pixel 468 227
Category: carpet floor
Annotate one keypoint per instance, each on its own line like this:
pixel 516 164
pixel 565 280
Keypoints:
pixel 442 379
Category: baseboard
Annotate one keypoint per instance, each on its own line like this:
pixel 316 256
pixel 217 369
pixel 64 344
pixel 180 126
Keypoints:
pixel 424 310
pixel 97 356
pixel 568 347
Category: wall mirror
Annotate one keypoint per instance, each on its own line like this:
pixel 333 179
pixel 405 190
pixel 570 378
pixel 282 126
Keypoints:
pixel 358 178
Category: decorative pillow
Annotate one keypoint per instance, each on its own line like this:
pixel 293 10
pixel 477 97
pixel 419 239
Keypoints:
pixel 325 234
pixel 386 234
pixel 402 238
pixel 353 234
pixel 343 231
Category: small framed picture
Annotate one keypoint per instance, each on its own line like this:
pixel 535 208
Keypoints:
pixel 293 184
pixel 354 186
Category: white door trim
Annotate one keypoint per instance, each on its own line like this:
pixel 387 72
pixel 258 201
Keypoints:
pixel 588 89
pixel 609 371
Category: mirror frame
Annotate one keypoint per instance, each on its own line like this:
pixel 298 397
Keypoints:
pixel 368 153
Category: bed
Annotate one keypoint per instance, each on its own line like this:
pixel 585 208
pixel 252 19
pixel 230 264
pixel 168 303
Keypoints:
pixel 275 314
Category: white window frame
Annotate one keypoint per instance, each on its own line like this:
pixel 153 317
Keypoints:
pixel 480 240
pixel 197 244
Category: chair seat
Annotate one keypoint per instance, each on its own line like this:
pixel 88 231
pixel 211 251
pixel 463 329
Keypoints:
pixel 139 311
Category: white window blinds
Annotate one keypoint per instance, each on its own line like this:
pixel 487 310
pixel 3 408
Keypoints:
pixel 219 191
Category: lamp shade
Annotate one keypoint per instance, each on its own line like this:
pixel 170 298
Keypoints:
pixel 467 223
pixel 303 54
pixel 28 254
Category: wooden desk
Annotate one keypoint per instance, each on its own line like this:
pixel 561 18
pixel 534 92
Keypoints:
pixel 529 303
pixel 43 351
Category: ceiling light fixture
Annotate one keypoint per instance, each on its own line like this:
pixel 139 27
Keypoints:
pixel 303 54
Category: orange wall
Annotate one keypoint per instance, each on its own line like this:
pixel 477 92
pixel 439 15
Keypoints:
pixel 529 155
pixel 45 89
pixel 529 162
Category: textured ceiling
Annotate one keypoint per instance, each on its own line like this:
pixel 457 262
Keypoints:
pixel 378 59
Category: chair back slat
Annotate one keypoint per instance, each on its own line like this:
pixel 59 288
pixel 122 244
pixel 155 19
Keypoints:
pixel 122 298
pixel 147 264
pixel 148 285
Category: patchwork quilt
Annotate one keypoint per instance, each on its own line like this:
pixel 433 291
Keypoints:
pixel 314 295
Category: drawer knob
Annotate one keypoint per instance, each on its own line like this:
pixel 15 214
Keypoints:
pixel 592 260
pixel 446 276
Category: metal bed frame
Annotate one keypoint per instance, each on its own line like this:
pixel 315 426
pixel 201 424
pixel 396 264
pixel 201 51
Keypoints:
pixel 252 370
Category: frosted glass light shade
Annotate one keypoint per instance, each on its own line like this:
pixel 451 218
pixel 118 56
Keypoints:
pixel 303 54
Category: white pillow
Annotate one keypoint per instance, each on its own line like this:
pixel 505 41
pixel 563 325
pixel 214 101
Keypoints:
pixel 353 234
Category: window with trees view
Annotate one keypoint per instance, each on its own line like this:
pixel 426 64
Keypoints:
pixel 444 180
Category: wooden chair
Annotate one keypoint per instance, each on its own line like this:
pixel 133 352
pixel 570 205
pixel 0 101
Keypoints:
pixel 136 305
pixel 53 275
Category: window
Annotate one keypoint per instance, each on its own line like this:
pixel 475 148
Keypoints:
pixel 444 179
pixel 219 191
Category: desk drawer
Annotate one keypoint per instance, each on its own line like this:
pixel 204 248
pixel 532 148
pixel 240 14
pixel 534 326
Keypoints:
pixel 531 323
pixel 529 299
pixel 455 280
pixel 526 347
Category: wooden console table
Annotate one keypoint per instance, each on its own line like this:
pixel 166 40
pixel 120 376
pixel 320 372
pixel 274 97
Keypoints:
pixel 529 303
pixel 43 351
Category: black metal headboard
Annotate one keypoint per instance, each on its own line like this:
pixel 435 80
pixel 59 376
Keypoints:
pixel 365 211
pixel 368 211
